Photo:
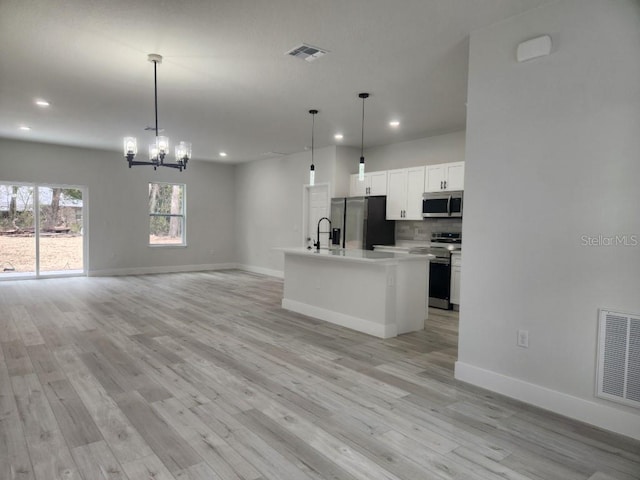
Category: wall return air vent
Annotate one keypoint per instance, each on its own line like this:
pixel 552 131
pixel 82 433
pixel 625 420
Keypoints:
pixel 307 52
pixel 619 358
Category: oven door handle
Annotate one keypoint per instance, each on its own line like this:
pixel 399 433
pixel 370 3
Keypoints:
pixel 441 261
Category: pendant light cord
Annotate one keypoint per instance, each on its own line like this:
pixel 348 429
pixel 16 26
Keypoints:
pixel 362 137
pixel 313 129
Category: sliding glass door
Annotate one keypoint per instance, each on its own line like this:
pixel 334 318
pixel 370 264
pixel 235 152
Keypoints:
pixel 41 230
pixel 17 230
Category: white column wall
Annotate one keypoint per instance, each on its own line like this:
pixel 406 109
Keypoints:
pixel 552 156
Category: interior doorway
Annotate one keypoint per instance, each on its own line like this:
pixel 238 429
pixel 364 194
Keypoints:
pixel 42 230
pixel 316 205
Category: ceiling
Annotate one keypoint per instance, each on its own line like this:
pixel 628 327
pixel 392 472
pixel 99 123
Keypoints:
pixel 225 83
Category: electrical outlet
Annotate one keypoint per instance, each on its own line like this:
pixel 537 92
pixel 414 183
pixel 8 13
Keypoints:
pixel 523 338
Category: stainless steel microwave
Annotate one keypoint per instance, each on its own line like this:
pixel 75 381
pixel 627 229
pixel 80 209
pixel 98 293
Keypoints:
pixel 442 204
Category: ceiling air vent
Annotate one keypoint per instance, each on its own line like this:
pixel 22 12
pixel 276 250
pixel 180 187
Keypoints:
pixel 307 52
pixel 619 358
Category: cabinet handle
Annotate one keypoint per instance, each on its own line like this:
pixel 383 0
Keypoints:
pixel 445 184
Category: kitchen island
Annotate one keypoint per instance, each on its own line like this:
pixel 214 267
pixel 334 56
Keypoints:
pixel 379 293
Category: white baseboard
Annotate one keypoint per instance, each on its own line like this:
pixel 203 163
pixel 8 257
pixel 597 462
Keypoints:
pixel 108 272
pixel 261 270
pixel 163 269
pixel 597 414
pixel 355 323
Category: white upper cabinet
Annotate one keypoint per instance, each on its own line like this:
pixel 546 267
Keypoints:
pixel 375 183
pixel 444 177
pixel 405 187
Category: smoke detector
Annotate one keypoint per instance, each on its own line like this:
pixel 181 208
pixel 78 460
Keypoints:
pixel 307 52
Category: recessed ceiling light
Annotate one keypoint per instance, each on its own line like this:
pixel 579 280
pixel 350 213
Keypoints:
pixel 394 123
pixel 42 103
pixel 223 154
pixel 24 127
pixel 338 136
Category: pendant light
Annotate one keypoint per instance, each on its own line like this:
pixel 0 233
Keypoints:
pixel 312 169
pixel 159 149
pixel 361 165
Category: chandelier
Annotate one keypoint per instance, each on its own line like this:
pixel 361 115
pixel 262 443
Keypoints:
pixel 159 149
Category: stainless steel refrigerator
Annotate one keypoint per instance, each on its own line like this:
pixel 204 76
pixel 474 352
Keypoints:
pixel 360 222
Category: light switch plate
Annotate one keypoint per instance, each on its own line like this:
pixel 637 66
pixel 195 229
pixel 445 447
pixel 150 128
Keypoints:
pixel 523 338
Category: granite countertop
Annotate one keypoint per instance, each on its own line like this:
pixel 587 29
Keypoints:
pixel 404 245
pixel 355 255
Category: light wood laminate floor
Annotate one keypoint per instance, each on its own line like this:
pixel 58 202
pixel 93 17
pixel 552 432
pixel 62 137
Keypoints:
pixel 204 376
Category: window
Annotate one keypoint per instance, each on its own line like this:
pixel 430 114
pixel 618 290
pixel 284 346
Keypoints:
pixel 166 214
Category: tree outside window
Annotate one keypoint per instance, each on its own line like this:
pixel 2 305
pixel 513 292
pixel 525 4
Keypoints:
pixel 167 214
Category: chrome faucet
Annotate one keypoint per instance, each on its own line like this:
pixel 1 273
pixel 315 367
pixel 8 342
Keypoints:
pixel 317 243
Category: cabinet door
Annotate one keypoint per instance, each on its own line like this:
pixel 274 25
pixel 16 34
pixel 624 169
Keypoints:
pixel 356 187
pixel 415 189
pixel 435 177
pixel 396 194
pixel 377 183
pixel 455 285
pixel 455 176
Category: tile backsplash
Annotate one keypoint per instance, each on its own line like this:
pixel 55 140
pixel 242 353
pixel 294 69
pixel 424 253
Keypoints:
pixel 421 230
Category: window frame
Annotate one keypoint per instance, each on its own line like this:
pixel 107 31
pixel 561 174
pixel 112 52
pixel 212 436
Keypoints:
pixel 182 215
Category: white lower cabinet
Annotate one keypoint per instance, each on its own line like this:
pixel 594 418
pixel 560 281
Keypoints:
pixel 456 267
pixel 405 187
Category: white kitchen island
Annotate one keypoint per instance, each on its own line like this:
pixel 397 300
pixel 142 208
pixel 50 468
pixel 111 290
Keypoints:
pixel 379 293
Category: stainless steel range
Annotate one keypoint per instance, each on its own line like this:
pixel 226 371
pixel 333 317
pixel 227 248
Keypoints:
pixel 441 246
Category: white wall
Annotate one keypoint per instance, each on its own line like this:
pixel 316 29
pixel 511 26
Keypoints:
pixel 118 205
pixel 269 210
pixel 424 151
pixel 551 155
pixel 347 161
